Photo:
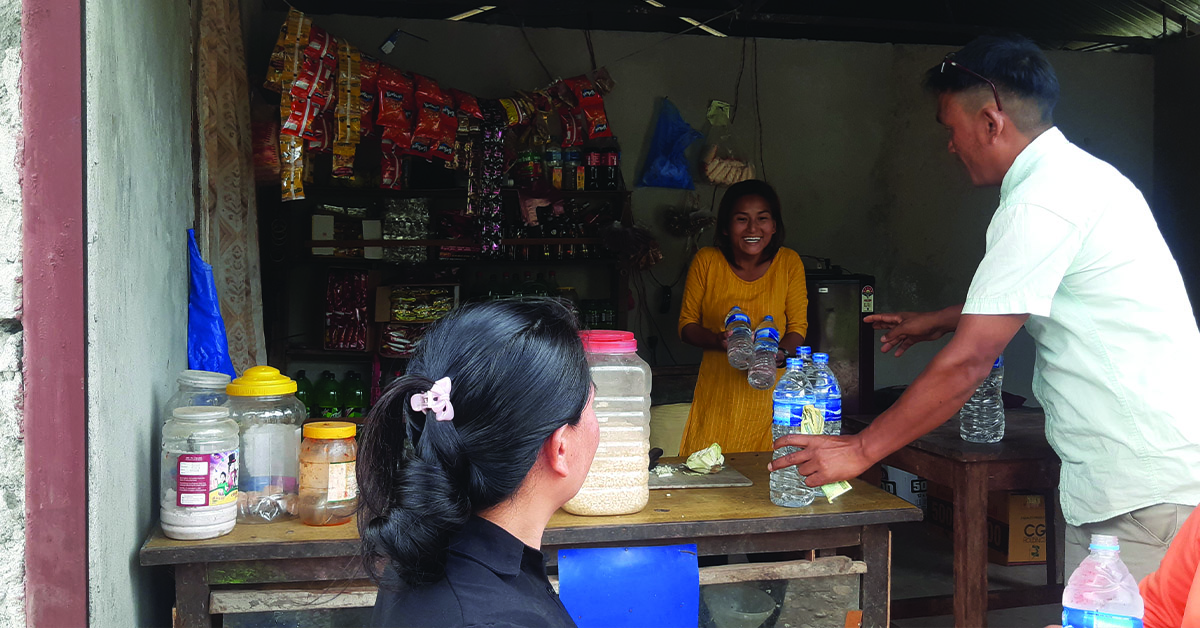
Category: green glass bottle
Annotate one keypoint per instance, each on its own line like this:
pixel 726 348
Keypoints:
pixel 354 395
pixel 304 391
pixel 328 396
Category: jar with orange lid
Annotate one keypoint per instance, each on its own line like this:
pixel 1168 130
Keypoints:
pixel 328 485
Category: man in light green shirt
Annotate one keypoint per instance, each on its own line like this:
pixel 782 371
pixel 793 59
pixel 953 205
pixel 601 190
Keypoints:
pixel 1074 255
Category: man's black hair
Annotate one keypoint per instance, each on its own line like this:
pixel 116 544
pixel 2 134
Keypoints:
pixel 1015 64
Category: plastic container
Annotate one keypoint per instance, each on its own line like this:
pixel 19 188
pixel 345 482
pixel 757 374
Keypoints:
pixel 619 481
pixel 792 393
pixel 981 419
pixel 199 473
pixel 740 344
pixel 197 388
pixel 829 393
pixel 264 404
pixel 328 484
pixel 1101 591
pixel 766 346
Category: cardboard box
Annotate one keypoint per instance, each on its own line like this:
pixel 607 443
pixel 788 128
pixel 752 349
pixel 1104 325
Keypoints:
pixel 905 485
pixel 1016 524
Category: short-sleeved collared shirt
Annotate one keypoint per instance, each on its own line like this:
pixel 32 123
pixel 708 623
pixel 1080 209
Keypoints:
pixel 1074 245
pixel 492 579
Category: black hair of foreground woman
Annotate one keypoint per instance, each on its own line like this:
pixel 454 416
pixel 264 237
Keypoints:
pixel 464 460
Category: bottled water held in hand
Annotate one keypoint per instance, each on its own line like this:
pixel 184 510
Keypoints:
pixel 829 393
pixel 766 346
pixel 1102 592
pixel 981 419
pixel 792 393
pixel 741 341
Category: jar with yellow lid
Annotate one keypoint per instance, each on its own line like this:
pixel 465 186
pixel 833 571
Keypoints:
pixel 328 484
pixel 269 416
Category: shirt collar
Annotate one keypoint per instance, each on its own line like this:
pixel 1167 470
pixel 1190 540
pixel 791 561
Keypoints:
pixel 1023 165
pixel 493 547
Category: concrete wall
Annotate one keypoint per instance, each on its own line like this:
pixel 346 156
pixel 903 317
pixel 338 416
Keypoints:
pixel 849 140
pixel 12 449
pixel 139 204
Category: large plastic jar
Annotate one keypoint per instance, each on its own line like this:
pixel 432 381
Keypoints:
pixel 328 484
pixel 197 388
pixel 264 404
pixel 199 473
pixel 618 482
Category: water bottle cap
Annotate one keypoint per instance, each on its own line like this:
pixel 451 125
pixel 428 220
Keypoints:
pixel 820 357
pixel 795 363
pixel 804 351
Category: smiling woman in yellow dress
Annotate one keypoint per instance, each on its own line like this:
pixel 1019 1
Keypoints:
pixel 747 267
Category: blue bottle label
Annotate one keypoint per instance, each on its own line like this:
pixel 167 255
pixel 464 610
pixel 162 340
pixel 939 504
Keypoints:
pixel 767 333
pixel 833 409
pixel 783 414
pixel 998 363
pixel 736 316
pixel 1075 618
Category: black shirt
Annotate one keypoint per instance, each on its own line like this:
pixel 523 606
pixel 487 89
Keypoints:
pixel 492 579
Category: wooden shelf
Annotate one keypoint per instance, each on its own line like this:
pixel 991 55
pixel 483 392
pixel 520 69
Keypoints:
pixel 388 244
pixel 325 193
pixel 323 355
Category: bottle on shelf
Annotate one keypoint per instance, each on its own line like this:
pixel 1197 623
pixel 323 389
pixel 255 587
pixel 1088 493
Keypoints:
pixel 766 345
pixel 1101 591
pixel 829 394
pixel 551 283
pixel 741 342
pixel 328 397
pixel 981 419
pixel 792 393
pixel 304 391
pixel 354 396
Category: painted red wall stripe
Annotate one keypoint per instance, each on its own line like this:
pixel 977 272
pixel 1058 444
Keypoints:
pixel 55 416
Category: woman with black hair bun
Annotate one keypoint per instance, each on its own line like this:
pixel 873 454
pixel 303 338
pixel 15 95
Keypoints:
pixel 749 267
pixel 464 460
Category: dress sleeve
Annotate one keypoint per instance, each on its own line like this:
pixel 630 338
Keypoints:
pixel 796 308
pixel 693 291
pixel 1029 250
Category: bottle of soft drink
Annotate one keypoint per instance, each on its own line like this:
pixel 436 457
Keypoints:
pixel 354 396
pixel 829 393
pixel 304 391
pixel 741 341
pixel 981 419
pixel 766 346
pixel 792 394
pixel 328 396
pixel 1102 592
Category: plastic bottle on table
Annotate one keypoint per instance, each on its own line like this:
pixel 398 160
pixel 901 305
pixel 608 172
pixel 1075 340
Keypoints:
pixel 829 393
pixel 1101 591
pixel 981 419
pixel 766 346
pixel 741 341
pixel 792 393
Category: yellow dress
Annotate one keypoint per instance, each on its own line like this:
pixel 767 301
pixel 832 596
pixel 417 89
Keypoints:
pixel 725 409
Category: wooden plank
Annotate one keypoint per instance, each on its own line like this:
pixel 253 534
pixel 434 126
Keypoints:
pixel 970 546
pixel 287 570
pixel 285 539
pixel 293 598
pixel 877 583
pixel 744 543
pixel 783 570
pixel 725 478
pixel 191 596
pixel 936 605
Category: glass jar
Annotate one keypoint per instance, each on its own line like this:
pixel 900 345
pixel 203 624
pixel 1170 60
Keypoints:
pixel 197 388
pixel 199 473
pixel 618 482
pixel 264 404
pixel 328 484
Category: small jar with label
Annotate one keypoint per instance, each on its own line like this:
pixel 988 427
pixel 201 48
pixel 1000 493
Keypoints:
pixel 328 485
pixel 199 473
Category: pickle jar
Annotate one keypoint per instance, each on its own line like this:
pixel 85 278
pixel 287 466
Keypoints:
pixel 264 404
pixel 328 484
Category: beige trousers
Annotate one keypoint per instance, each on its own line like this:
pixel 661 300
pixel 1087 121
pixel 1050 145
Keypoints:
pixel 1144 535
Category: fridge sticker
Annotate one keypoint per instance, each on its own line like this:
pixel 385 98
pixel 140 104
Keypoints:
pixel 207 479
pixel 868 300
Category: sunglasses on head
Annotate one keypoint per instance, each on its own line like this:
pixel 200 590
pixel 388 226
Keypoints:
pixel 949 61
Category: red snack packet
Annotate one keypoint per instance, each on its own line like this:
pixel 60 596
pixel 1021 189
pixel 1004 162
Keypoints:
pixel 390 164
pixel 314 83
pixel 592 104
pixel 320 133
pixel 300 119
pixel 368 80
pixel 429 108
pixel 448 130
pixel 466 104
pixel 572 127
pixel 395 95
pixel 398 139
pixel 322 46
pixel 368 73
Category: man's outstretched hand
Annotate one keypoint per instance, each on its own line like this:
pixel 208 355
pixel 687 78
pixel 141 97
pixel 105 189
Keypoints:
pixel 823 459
pixel 906 329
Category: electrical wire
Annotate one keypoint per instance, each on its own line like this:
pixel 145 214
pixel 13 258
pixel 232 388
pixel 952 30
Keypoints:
pixel 737 84
pixel 549 76
pixel 670 37
pixel 762 163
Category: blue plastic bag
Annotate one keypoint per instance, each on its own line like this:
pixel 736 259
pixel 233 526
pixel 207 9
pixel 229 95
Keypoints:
pixel 666 167
pixel 208 347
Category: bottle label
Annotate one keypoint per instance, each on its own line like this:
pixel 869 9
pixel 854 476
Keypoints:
pixel 767 333
pixel 1075 618
pixel 206 479
pixel 735 317
pixel 998 363
pixel 783 414
pixel 833 409
pixel 331 413
pixel 340 482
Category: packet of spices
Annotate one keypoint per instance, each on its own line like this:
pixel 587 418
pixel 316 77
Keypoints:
pixel 348 119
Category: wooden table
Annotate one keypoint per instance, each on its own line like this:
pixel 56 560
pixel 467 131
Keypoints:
pixel 1023 460
pixel 719 520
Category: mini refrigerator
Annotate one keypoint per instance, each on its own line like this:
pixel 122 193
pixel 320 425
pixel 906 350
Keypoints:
pixel 837 303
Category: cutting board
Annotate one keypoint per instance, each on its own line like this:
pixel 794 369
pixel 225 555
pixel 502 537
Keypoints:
pixel 724 478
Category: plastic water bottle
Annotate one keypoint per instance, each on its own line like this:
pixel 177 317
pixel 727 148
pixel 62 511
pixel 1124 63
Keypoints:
pixel 741 341
pixel 792 393
pixel 1102 592
pixel 829 393
pixel 981 419
pixel 766 346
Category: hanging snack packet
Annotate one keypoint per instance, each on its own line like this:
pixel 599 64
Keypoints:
pixel 291 161
pixel 399 137
pixel 322 47
pixel 448 128
pixel 285 47
pixel 348 119
pixel 592 104
pixel 466 104
pixel 427 128
pixel 515 112
pixel 395 95
pixel 368 85
pixel 299 115
pixel 390 164
pixel 572 128
pixel 314 83
pixel 343 160
pixel 319 135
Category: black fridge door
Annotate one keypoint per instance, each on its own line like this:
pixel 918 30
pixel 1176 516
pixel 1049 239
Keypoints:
pixel 836 307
